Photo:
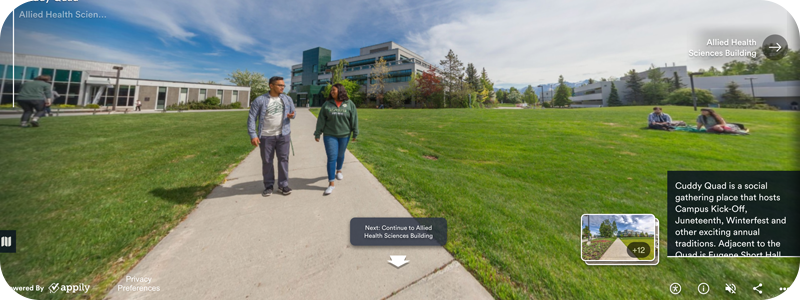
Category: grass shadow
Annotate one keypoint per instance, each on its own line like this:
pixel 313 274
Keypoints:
pixel 183 195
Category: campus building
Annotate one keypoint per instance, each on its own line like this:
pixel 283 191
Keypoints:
pixel 310 78
pixel 82 82
pixel 776 93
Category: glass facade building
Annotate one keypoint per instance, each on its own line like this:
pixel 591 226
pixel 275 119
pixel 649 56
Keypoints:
pixel 67 83
pixel 311 77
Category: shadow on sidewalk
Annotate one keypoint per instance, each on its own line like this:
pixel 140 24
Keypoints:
pixel 308 183
pixel 188 194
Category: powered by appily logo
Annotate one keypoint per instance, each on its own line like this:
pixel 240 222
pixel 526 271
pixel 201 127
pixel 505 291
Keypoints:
pixel 69 288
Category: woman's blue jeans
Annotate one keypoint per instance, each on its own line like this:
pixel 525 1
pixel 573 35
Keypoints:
pixel 335 148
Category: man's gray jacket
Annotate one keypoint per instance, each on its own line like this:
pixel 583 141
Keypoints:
pixel 258 110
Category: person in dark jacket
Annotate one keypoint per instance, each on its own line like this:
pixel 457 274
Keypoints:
pixel 34 96
pixel 337 121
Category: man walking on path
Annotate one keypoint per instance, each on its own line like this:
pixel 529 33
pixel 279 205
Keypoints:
pixel 273 112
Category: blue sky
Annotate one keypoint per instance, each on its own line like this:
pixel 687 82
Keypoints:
pixel 518 42
pixel 639 223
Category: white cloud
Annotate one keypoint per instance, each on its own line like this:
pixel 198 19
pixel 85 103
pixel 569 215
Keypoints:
pixel 37 43
pixel 523 42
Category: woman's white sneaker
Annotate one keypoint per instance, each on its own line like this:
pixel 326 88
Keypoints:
pixel 339 176
pixel 329 190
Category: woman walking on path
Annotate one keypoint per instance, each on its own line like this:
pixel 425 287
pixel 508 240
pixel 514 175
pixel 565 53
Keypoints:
pixel 337 120
pixel 34 95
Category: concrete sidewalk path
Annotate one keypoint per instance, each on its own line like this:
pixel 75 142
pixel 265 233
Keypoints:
pixel 239 245
pixel 618 251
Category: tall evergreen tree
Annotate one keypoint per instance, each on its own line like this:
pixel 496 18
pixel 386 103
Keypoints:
pixel 656 90
pixel 734 96
pixel 634 95
pixel 472 77
pixel 561 98
pixel 677 83
pixel 613 97
pixel 452 72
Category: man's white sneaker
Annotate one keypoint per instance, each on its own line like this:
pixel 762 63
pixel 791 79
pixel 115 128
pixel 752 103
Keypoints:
pixel 329 190
pixel 339 176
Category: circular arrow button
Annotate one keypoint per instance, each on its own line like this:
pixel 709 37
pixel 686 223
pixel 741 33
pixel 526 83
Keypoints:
pixel 774 47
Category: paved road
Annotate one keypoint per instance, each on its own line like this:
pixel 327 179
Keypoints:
pixel 239 245
pixel 618 251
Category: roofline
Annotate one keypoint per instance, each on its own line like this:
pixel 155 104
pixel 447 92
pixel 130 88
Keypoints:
pixel 160 80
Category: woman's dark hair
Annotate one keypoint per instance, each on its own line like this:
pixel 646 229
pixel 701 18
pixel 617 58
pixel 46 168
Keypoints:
pixel 45 78
pixel 342 92
pixel 713 114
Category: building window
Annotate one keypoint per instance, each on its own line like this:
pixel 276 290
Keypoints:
pixel 202 95
pixel 62 75
pixel 234 97
pixel 220 96
pixel 31 73
pixel 184 94
pixel 76 76
pixel 315 69
pixel 14 72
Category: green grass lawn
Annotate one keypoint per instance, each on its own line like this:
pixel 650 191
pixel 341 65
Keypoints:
pixel 90 195
pixel 513 185
pixel 650 241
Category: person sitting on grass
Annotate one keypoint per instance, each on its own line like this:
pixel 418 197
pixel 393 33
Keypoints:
pixel 659 120
pixel 713 122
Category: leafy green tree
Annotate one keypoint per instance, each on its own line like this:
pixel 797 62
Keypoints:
pixel 712 71
pixel 606 229
pixel 735 67
pixel 530 96
pixel 337 71
pixel 586 231
pixel 591 81
pixel 377 79
pixel 613 97
pixel 614 228
pixel 635 94
pixel 514 96
pixel 256 81
pixel 684 97
pixel 787 68
pixel 353 90
pixel 501 96
pixel 561 98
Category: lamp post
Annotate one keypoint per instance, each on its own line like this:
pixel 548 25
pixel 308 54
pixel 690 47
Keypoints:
pixel 694 96
pixel 752 90
pixel 116 88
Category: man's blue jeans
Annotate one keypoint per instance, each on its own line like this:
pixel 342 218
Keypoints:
pixel 335 148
